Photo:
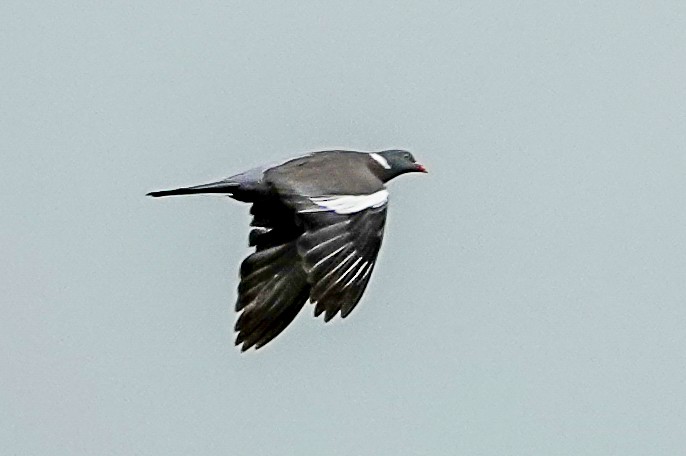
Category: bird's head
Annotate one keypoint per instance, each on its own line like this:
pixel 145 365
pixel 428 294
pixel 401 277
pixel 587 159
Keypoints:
pixel 392 163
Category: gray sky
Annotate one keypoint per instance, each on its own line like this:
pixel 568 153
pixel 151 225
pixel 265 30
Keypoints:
pixel 530 295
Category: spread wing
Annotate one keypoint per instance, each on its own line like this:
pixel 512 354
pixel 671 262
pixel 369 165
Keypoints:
pixel 321 248
pixel 339 248
pixel 274 284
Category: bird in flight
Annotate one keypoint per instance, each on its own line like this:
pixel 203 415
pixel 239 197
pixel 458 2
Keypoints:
pixel 318 221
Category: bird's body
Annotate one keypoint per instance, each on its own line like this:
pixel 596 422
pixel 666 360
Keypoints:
pixel 318 221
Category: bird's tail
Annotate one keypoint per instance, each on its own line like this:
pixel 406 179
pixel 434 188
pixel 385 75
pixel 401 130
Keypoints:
pixel 226 187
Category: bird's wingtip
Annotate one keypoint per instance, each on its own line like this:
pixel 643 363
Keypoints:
pixel 244 346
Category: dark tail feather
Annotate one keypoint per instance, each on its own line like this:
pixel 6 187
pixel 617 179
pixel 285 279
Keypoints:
pixel 226 187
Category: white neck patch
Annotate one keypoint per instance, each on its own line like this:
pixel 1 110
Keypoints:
pixel 382 161
pixel 349 204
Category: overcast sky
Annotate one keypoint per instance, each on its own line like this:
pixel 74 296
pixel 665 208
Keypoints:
pixel 530 297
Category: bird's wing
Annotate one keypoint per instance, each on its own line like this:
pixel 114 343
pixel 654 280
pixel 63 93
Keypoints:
pixel 274 285
pixel 339 247
pixel 321 247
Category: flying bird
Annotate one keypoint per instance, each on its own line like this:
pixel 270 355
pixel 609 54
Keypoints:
pixel 318 222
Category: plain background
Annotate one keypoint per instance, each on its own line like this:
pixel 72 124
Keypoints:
pixel 530 297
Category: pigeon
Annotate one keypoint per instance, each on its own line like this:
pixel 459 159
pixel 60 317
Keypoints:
pixel 318 221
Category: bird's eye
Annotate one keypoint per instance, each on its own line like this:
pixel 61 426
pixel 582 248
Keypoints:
pixel 408 156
